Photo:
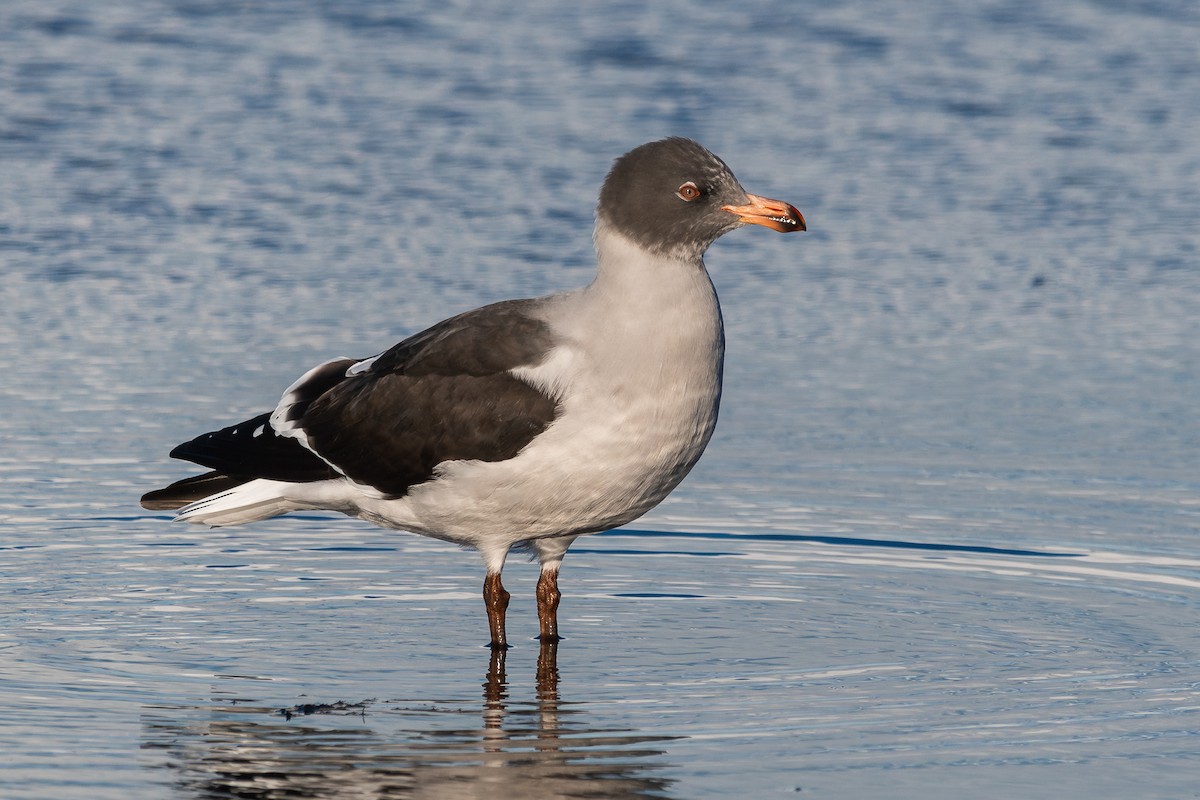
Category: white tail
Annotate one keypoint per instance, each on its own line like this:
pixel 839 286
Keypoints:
pixel 250 502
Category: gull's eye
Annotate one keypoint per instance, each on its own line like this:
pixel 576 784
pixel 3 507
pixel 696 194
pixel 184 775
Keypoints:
pixel 689 192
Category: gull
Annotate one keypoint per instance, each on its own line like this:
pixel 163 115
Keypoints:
pixel 527 422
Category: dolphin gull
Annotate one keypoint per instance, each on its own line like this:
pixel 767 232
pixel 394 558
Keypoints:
pixel 527 422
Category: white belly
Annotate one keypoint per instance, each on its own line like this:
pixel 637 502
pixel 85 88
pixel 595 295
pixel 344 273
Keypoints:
pixel 606 461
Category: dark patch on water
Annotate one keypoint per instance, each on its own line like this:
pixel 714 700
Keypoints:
pixel 627 52
pixel 339 707
pixel 354 549
pixel 847 541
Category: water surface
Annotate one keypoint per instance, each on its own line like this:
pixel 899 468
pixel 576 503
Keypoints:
pixel 944 540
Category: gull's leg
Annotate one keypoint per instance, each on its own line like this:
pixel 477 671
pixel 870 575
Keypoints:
pixel 548 596
pixel 495 599
pixel 550 553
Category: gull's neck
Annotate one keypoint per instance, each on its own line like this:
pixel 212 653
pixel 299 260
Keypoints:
pixel 634 276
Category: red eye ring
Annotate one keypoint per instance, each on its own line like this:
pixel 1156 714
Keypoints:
pixel 688 192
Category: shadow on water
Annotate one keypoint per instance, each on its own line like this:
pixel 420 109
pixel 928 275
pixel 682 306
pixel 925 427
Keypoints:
pixel 846 541
pixel 544 748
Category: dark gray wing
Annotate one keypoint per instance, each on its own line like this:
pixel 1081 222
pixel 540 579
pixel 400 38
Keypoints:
pixel 444 394
pixel 486 341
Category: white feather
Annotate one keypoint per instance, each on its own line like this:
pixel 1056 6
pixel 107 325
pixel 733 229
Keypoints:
pixel 250 502
pixel 362 366
pixel 291 396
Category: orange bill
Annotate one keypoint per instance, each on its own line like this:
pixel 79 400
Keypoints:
pixel 774 214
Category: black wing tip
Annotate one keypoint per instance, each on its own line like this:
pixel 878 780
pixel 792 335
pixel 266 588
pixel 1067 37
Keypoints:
pixel 189 490
pixel 253 449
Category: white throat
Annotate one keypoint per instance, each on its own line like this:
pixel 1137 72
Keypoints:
pixel 651 287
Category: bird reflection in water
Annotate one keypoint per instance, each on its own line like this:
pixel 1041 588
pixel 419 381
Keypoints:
pixel 495 695
pixel 543 748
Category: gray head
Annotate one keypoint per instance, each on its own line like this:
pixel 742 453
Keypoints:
pixel 675 197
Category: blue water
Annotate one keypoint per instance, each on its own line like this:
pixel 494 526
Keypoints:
pixel 944 542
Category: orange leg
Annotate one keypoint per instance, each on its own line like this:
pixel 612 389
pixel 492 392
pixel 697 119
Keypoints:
pixel 547 603
pixel 495 598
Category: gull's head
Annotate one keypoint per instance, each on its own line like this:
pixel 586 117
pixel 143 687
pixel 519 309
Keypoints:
pixel 674 197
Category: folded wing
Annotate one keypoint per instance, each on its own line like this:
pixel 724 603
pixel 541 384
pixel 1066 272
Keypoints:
pixel 447 393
